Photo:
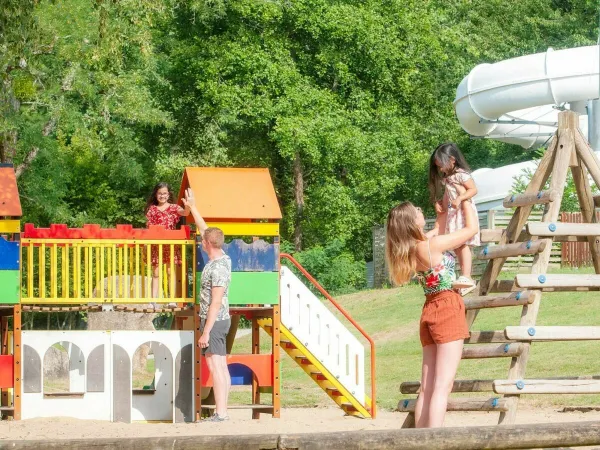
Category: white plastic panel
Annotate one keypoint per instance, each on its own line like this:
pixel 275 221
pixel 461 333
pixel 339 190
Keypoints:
pixel 79 345
pixel 165 345
pixel 315 326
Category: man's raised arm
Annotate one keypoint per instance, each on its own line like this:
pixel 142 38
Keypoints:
pixel 190 201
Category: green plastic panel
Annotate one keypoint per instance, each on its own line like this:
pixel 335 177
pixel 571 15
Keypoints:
pixel 250 288
pixel 9 287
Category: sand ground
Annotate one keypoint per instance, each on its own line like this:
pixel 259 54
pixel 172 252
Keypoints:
pixel 293 420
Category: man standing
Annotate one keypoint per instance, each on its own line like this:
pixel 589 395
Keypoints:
pixel 214 309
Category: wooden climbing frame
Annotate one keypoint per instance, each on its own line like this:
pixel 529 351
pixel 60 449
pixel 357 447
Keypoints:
pixel 568 149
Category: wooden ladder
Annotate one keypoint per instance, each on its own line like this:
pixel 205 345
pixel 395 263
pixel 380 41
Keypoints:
pixel 568 149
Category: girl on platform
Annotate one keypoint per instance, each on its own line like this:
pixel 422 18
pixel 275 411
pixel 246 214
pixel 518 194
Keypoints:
pixel 449 173
pixel 160 210
pixel 443 327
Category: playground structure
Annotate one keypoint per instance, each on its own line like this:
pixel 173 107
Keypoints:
pixel 92 269
pixel 516 101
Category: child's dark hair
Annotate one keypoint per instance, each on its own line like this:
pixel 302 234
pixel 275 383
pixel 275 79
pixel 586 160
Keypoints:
pixel 443 154
pixel 152 199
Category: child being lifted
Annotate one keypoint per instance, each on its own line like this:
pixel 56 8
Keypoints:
pixel 449 173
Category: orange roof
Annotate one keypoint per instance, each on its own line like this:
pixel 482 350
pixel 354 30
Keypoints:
pixel 10 204
pixel 232 193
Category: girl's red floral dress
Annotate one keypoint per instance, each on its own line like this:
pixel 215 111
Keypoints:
pixel 167 218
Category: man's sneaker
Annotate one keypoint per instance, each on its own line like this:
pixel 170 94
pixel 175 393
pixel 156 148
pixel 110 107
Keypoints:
pixel 216 418
pixel 463 282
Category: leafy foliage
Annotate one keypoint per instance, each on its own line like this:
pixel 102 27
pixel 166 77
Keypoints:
pixel 342 100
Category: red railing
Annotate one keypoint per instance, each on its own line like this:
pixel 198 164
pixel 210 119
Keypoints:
pixel 345 313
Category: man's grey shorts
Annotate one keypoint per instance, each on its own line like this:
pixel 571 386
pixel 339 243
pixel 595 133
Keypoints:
pixel 217 338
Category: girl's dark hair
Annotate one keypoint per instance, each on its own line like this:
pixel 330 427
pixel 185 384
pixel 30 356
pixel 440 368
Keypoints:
pixel 152 199
pixel 443 154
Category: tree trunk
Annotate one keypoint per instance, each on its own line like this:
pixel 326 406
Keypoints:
pixel 299 200
pixel 8 143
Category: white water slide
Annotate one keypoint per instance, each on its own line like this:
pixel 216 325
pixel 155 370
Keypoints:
pixel 518 100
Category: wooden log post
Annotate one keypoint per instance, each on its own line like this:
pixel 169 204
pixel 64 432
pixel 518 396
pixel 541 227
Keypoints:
pixel 493 351
pixel 551 435
pixel 548 229
pixel 491 236
pixel 553 333
pixel 462 404
pixel 414 387
pixel 483 337
pixel 517 249
pixel 586 202
pixel 587 155
pixel 566 282
pixel 518 298
pixel 530 199
pixel 547 386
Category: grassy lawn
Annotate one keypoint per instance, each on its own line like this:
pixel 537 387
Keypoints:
pixel 391 317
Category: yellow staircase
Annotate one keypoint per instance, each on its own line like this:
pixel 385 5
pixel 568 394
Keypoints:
pixel 319 373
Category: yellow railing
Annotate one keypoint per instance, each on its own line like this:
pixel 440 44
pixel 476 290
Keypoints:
pixel 62 271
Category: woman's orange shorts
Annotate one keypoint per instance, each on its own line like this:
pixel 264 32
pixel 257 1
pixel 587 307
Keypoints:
pixel 443 318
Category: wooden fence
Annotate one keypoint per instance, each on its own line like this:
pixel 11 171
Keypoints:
pixel 576 254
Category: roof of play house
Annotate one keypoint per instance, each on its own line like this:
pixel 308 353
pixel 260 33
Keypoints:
pixel 10 204
pixel 232 193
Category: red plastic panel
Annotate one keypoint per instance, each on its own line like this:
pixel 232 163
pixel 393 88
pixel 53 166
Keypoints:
pixel 60 231
pixel 6 371
pixel 260 365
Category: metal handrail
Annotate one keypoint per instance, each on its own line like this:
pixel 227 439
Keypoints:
pixel 322 290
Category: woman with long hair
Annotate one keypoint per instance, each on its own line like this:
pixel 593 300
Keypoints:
pixel 443 327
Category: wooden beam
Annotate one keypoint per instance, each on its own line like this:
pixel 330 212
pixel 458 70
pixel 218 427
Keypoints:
pixel 558 280
pixel 588 156
pixel 502 286
pixel 530 198
pixel 586 203
pixel 550 229
pixel 553 333
pixel 489 337
pixel 513 299
pixel 464 438
pixel 493 351
pixel 414 387
pixel 516 249
pixel 547 386
pixel 462 404
pixel 492 236
pixel 552 435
